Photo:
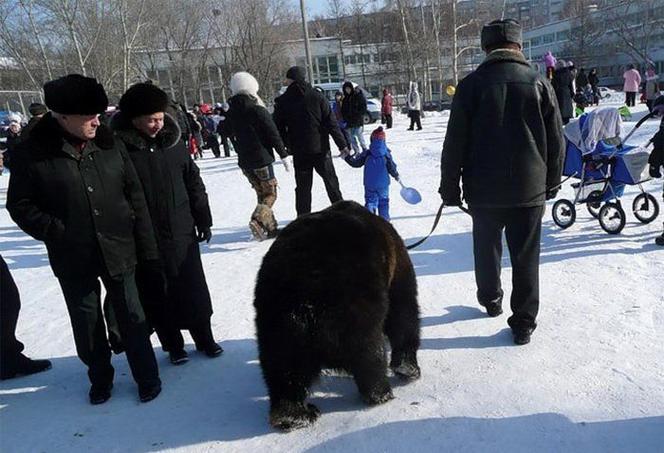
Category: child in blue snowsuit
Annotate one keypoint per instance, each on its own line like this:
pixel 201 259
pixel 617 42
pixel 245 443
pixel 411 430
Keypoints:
pixel 378 166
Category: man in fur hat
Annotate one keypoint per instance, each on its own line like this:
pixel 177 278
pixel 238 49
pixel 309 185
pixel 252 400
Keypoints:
pixel 509 151
pixel 173 288
pixel 74 187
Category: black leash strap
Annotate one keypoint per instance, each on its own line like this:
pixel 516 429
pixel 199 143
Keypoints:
pixel 435 224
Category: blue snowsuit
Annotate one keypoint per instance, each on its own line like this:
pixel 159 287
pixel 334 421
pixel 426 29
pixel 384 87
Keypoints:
pixel 378 166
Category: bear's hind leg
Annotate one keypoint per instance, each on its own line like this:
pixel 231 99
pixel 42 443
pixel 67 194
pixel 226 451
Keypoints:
pixel 289 369
pixel 369 367
pixel 402 326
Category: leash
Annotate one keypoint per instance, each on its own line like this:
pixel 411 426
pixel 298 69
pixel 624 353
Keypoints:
pixel 464 209
pixel 435 224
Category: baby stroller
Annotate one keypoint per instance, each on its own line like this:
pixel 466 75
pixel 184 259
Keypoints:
pixel 604 165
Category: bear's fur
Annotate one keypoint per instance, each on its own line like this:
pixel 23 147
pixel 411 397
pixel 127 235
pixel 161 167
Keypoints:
pixel 332 284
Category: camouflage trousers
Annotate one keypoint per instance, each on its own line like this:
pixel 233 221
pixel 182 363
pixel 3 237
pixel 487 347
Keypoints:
pixel 263 224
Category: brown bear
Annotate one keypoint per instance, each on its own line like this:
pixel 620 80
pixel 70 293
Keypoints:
pixel 330 287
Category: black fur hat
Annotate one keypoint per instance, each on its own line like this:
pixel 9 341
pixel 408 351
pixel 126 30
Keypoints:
pixel 297 73
pixel 75 94
pixel 501 32
pixel 37 108
pixel 143 99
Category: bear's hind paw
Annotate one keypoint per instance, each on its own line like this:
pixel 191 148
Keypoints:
pixel 294 416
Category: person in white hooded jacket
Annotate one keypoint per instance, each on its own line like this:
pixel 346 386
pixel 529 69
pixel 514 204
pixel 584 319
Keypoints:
pixel 256 138
pixel 414 103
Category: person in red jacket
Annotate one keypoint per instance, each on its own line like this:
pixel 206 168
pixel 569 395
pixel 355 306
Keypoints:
pixel 386 108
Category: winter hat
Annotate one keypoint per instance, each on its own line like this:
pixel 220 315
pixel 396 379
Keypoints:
pixel 143 99
pixel 501 32
pixel 37 109
pixel 560 64
pixel 296 73
pixel 378 134
pixel 244 83
pixel 14 118
pixel 75 94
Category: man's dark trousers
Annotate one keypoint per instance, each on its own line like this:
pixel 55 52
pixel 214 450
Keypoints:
pixel 82 295
pixel 304 165
pixel 10 305
pixel 522 231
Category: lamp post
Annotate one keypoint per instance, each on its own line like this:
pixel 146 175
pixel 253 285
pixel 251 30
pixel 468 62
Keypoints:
pixel 307 49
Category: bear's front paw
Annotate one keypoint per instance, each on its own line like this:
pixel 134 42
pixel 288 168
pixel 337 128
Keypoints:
pixel 289 416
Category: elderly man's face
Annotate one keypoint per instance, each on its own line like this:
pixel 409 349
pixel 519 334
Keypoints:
pixel 83 127
pixel 149 125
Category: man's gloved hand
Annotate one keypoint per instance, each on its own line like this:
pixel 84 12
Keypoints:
pixel 288 163
pixel 204 235
pixel 655 172
pixel 551 193
pixel 343 153
pixel 453 199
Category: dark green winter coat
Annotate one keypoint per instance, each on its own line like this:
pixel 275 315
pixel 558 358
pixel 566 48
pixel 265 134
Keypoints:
pixel 178 205
pixel 87 207
pixel 504 137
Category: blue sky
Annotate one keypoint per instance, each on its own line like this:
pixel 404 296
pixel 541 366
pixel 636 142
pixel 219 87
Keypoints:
pixel 314 7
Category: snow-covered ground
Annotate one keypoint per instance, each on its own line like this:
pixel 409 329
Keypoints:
pixel 591 380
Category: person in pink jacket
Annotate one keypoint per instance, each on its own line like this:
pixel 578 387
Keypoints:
pixel 632 83
pixel 386 108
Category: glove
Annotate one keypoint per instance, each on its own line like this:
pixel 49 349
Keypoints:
pixel 343 153
pixel 654 172
pixel 288 163
pixel 551 193
pixel 204 235
pixel 451 199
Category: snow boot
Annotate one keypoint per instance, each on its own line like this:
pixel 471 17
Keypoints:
pixel 257 231
pixel 210 349
pixel 100 393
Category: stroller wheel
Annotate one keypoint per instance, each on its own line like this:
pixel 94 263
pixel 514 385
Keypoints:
pixel 612 218
pixel 645 208
pixel 563 213
pixel 593 208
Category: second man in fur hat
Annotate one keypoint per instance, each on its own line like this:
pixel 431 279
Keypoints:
pixel 173 288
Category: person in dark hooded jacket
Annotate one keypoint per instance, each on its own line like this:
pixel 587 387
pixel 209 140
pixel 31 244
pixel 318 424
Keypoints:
pixel 172 287
pixel 256 136
pixel 563 84
pixel 353 111
pixel 504 138
pixel 378 167
pixel 305 122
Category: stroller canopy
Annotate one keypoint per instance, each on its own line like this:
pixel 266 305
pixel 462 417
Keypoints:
pixel 601 124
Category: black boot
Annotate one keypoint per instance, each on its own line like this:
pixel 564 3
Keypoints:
pixel 204 340
pixel 100 393
pixel 149 393
pixel 210 349
pixel 178 357
pixel 493 307
pixel 522 335
pixel 23 366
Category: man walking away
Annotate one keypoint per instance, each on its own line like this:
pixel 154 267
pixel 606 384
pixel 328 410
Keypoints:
pixel 509 150
pixel 305 122
pixel 414 103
